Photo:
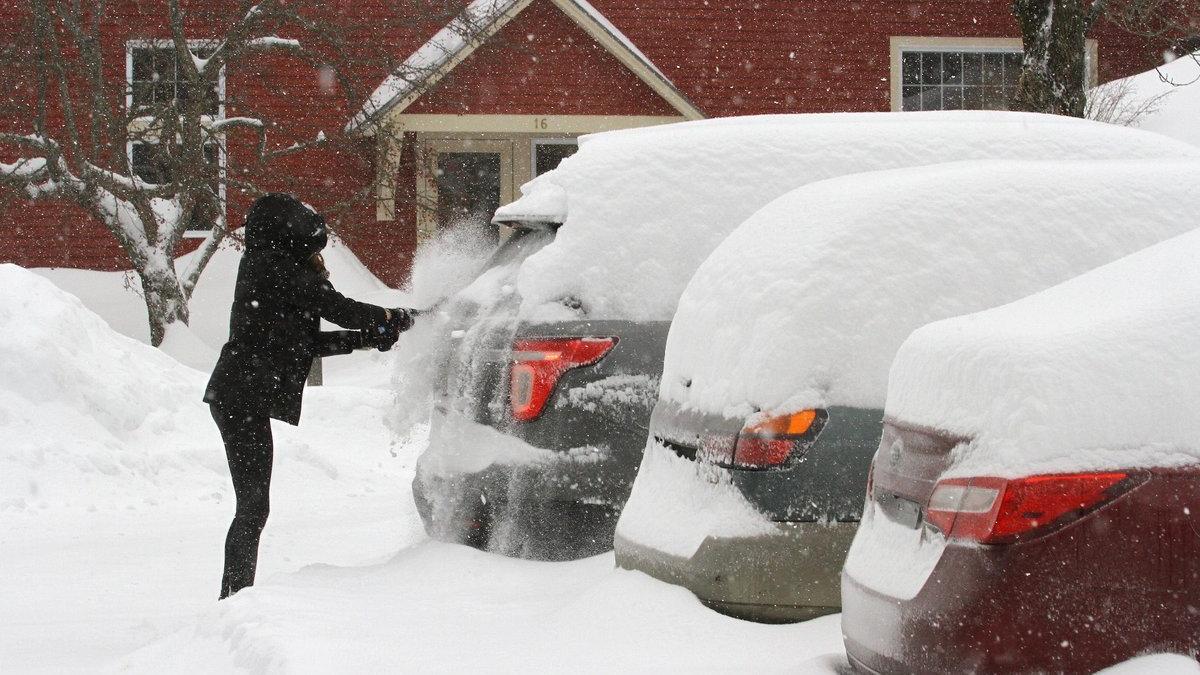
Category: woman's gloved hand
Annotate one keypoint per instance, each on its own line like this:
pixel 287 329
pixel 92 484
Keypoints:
pixel 395 322
pixel 382 337
pixel 401 319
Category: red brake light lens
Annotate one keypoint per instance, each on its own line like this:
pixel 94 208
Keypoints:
pixel 771 442
pixel 997 510
pixel 538 363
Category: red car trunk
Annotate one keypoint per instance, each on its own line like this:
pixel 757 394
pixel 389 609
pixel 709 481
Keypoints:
pixel 1102 584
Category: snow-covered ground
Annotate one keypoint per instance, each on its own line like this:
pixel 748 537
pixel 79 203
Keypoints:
pixel 114 499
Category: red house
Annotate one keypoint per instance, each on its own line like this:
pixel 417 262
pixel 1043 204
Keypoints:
pixel 458 123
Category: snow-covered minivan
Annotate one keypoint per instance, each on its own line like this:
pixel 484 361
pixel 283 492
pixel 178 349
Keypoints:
pixel 551 360
pixel 1035 502
pixel 752 483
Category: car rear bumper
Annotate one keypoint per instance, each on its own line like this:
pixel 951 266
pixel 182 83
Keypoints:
pixel 1122 582
pixel 790 575
pixel 478 486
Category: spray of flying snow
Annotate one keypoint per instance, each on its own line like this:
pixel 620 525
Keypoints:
pixel 442 267
pixel 448 262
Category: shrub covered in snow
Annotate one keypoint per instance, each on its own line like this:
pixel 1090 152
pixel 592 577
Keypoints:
pixel 644 207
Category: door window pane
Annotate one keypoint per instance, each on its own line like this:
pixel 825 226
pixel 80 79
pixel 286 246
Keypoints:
pixel 468 190
pixel 546 156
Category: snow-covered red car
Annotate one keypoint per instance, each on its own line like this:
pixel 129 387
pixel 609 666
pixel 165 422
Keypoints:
pixel 1035 499
pixel 551 360
pixel 752 483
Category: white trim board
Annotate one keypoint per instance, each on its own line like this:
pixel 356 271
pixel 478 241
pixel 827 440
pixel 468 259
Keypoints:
pixel 522 124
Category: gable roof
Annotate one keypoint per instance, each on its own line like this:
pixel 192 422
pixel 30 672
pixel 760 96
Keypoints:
pixel 478 22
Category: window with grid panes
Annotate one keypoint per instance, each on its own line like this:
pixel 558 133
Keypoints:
pixel 155 80
pixel 959 79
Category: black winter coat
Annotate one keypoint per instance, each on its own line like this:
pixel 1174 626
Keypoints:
pixel 278 303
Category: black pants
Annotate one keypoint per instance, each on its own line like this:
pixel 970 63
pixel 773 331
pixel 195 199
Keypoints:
pixel 249 448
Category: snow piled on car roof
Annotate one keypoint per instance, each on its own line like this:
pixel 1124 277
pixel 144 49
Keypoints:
pixel 1098 372
pixel 644 207
pixel 805 305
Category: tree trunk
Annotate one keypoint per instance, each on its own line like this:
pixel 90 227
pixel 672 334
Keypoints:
pixel 165 303
pixel 1053 72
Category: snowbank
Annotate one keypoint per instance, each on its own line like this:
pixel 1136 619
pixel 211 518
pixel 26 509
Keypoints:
pixel 644 207
pixel 81 407
pixel 1098 372
pixel 1166 99
pixel 95 421
pixel 806 303
pixel 444 608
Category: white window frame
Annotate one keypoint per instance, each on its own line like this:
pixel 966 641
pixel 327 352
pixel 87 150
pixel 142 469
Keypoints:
pixel 556 140
pixel 909 43
pixel 222 150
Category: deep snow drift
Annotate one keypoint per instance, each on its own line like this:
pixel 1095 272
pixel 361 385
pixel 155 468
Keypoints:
pixel 95 420
pixel 81 405
pixel 1099 372
pixel 644 207
pixel 443 608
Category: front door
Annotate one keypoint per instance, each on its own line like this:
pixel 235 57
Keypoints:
pixel 465 181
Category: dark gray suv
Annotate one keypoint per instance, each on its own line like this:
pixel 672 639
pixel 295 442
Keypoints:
pixel 552 418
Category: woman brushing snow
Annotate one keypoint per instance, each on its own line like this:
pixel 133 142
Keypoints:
pixel 282 293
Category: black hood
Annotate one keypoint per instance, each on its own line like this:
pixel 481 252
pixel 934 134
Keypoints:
pixel 281 223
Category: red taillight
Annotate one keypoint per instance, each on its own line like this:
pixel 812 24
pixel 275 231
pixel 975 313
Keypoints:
pixel 997 510
pixel 770 442
pixel 538 363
